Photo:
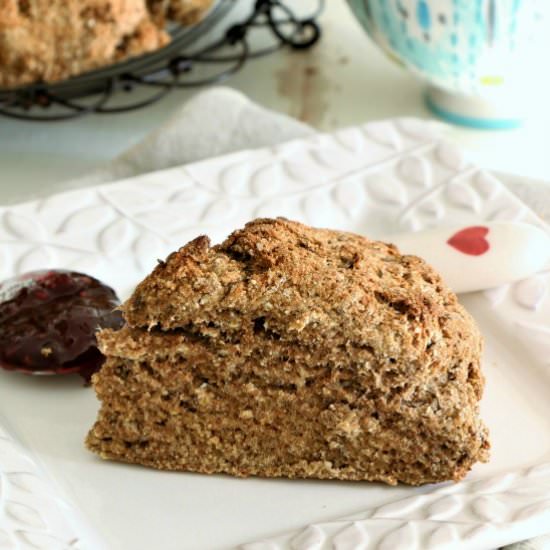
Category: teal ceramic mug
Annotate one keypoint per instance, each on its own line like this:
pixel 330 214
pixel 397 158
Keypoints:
pixel 481 58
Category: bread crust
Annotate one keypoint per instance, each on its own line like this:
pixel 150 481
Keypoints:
pixel 297 352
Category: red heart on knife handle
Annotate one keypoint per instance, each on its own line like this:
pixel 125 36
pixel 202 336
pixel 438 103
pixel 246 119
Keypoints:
pixel 471 240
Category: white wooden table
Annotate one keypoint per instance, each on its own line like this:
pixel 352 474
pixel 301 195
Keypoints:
pixel 344 80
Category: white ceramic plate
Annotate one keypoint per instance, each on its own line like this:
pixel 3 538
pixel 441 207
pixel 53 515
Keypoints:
pixel 381 178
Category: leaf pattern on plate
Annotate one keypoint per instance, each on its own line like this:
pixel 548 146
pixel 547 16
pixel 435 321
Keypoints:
pixel 496 295
pixel 311 538
pixel 37 257
pixel 385 190
pixel 487 185
pixel 399 508
pixel 531 292
pixel 416 170
pixel 41 541
pixel 539 470
pixel 352 139
pixel 450 156
pixel 352 537
pixel 233 178
pixel 89 218
pixel 33 515
pixel 417 129
pixel 187 194
pixel 385 134
pixel 450 513
pixel 332 158
pixel 146 248
pixel 217 211
pixel 350 196
pixel 442 536
pixel 445 507
pixel 114 237
pixel 412 223
pixel 315 207
pixel 402 538
pixel 387 180
pixel 432 208
pixel 536 510
pixel 23 514
pixel 489 509
pixel 494 484
pixel 509 213
pixel 27 482
pixel 462 195
pixel 22 227
pixel 295 172
pixel 266 180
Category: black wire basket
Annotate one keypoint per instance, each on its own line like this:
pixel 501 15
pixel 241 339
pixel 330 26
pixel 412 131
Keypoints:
pixel 177 65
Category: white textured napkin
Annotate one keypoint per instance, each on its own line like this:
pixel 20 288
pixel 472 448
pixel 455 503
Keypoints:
pixel 221 120
pixel 214 122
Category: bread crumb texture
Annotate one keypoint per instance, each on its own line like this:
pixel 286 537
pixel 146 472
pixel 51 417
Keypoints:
pixel 289 351
pixel 51 40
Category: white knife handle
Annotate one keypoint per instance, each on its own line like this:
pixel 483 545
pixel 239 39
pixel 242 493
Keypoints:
pixel 481 256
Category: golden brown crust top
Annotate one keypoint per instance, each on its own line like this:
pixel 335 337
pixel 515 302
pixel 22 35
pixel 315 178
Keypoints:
pixel 288 279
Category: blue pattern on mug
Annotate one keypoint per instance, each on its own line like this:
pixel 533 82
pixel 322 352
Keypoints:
pixel 463 45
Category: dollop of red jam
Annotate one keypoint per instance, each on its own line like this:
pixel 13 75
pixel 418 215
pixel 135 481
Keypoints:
pixel 48 321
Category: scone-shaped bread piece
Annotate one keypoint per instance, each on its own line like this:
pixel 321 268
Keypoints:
pixel 295 352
